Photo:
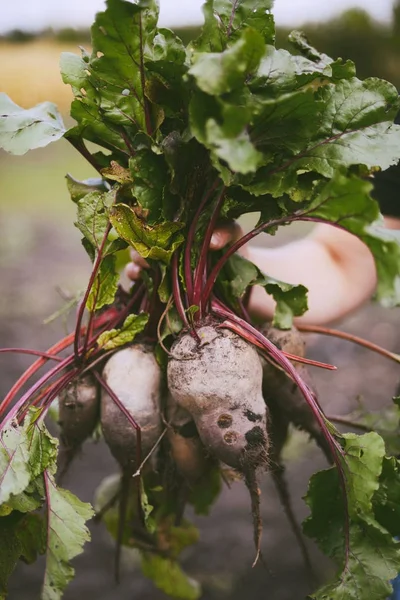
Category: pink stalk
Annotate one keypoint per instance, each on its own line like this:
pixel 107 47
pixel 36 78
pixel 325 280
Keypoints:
pixel 61 345
pixel 82 306
pixel 235 247
pixel 51 392
pixel 200 273
pixel 309 361
pixel 349 337
pixel 32 390
pixel 176 289
pixel 189 242
pixel 33 352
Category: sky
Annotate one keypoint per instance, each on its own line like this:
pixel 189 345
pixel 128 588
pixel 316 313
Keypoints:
pixel 39 14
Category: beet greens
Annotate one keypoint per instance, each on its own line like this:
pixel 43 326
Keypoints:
pixel 187 137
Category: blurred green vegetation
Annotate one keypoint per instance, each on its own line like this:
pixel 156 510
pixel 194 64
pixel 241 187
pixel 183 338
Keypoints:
pixel 355 35
pixel 374 47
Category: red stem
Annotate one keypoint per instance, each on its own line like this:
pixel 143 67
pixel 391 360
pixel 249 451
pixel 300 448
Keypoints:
pixel 61 345
pixel 252 234
pixel 309 361
pixel 190 239
pixel 200 272
pixel 349 338
pixel 176 289
pixel 51 392
pixel 127 414
pixel 34 352
pixel 54 371
pixel 235 247
pixel 82 306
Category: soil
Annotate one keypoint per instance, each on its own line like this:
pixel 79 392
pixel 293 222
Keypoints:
pixel 30 270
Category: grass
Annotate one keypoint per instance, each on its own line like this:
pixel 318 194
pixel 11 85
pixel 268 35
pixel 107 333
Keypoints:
pixel 35 183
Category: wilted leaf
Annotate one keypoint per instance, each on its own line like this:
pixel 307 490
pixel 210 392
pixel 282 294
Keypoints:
pixel 156 242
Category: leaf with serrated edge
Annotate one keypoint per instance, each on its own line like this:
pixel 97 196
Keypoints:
pixel 374 556
pixel 114 338
pixel 25 451
pixel 156 242
pixel 66 536
pixel 364 220
pixel 105 285
pixel 291 300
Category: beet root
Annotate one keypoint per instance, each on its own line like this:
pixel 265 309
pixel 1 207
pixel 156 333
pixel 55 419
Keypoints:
pixel 219 383
pixel 282 395
pixel 186 448
pixel 79 408
pixel 135 378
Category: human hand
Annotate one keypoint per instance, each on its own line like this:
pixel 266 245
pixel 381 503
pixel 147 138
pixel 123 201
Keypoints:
pixel 223 235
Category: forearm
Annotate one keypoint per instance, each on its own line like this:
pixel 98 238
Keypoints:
pixel 335 266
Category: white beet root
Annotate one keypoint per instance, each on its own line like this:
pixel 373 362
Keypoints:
pixel 134 375
pixel 187 450
pixel 281 394
pixel 219 382
pixel 78 415
pixel 78 411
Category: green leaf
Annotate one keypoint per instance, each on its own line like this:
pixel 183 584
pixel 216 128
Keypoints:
pixel 356 127
pixel 105 285
pixel 168 576
pixel 147 509
pixel 92 218
pixel 109 85
pixel 364 456
pixel 66 536
pixel 374 556
pixel 21 537
pixel 386 501
pixel 130 328
pixel 79 189
pixel 347 202
pixel 14 467
pixel 291 300
pixel 219 73
pixel 225 21
pixel 26 129
pixel 156 242
pixel 280 72
pixel 182 536
pixel 25 452
pixel 374 562
pixel 150 176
